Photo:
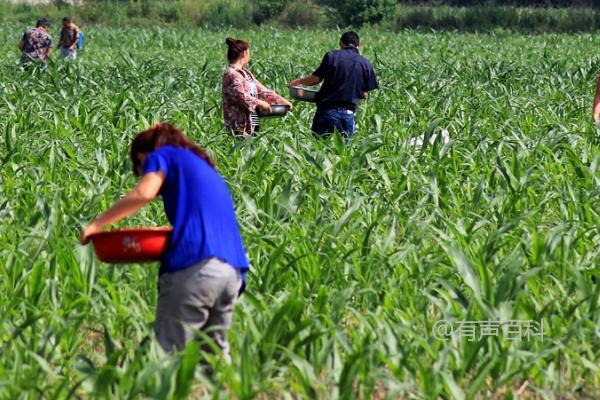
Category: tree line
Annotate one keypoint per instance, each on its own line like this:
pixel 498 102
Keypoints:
pixel 469 15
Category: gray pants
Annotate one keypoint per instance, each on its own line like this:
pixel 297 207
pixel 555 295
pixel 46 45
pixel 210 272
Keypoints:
pixel 200 297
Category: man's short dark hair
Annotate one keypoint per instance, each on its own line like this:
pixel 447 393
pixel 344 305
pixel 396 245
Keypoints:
pixel 42 22
pixel 67 19
pixel 350 39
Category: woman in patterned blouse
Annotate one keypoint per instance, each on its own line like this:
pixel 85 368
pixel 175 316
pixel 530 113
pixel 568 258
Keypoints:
pixel 242 94
pixel 36 45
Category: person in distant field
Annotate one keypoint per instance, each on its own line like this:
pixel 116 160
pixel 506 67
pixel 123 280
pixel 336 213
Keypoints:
pixel 36 45
pixel 242 94
pixel 347 77
pixel 69 36
pixel 596 107
pixel 203 270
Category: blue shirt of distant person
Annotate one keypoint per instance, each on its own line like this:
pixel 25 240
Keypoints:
pixel 347 77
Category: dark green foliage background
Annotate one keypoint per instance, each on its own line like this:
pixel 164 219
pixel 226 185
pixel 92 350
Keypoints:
pixel 478 15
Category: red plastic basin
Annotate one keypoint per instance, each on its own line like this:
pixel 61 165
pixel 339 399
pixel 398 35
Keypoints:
pixel 135 245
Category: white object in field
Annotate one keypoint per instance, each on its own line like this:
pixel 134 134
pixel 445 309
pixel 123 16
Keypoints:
pixel 417 142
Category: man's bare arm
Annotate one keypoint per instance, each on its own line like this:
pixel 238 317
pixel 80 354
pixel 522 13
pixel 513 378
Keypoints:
pixel 310 80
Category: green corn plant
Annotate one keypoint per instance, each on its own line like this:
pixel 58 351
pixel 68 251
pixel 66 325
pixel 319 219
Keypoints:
pixel 358 248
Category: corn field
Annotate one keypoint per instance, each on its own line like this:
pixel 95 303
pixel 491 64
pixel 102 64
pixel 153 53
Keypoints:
pixel 358 249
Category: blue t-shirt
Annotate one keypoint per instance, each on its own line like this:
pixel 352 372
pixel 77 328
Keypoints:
pixel 346 75
pixel 199 206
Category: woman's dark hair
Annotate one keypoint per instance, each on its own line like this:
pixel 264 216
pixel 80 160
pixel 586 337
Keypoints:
pixel 162 134
pixel 235 48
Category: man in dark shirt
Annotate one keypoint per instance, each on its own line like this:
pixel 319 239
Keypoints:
pixel 347 77
pixel 69 35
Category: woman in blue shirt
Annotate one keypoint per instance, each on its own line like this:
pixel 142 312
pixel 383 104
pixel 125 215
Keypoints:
pixel 204 266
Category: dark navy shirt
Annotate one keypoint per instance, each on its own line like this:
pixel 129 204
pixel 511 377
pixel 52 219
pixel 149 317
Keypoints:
pixel 199 206
pixel 346 75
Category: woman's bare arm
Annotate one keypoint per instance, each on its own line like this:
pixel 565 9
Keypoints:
pixel 145 191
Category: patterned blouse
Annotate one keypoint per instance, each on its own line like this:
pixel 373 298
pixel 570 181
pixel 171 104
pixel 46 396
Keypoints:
pixel 238 100
pixel 37 42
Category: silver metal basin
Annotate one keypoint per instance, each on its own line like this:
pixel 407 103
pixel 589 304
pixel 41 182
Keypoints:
pixel 302 93
pixel 277 110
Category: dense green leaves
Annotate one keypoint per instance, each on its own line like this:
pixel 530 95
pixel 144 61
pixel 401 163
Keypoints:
pixel 357 250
